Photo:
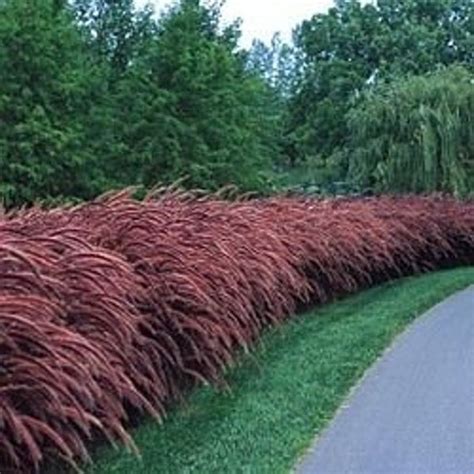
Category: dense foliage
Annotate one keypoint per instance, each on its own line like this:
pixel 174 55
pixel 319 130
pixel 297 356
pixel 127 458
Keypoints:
pixel 45 95
pixel 99 94
pixel 96 94
pixel 355 47
pixel 115 307
pixel 189 107
pixel 416 134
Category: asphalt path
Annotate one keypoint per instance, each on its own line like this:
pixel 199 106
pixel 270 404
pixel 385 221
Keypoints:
pixel 413 413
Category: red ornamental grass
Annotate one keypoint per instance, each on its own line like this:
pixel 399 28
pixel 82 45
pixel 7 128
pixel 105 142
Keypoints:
pixel 115 307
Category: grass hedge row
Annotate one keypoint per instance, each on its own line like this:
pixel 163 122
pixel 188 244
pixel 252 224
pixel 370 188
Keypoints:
pixel 114 308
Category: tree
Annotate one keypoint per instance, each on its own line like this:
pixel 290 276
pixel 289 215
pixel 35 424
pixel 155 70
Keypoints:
pixel 189 107
pixel 118 32
pixel 279 66
pixel 277 63
pixel 45 93
pixel 416 134
pixel 354 47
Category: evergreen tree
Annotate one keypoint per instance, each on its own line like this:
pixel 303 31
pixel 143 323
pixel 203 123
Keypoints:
pixel 45 92
pixel 193 108
pixel 118 32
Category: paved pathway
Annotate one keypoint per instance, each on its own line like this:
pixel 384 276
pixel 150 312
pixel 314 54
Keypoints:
pixel 414 411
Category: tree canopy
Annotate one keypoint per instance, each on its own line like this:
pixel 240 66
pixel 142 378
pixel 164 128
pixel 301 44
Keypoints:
pixel 354 47
pixel 196 110
pixel 100 94
pixel 416 134
pixel 44 101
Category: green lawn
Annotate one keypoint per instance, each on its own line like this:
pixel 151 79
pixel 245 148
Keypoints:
pixel 287 390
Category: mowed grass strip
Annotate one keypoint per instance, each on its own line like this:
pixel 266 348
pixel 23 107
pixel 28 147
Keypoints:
pixel 287 391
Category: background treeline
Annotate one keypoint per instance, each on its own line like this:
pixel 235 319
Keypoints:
pixel 386 90
pixel 97 94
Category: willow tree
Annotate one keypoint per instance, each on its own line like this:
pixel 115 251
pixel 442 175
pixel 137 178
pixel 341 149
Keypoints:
pixel 416 134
